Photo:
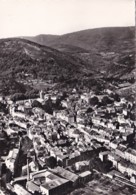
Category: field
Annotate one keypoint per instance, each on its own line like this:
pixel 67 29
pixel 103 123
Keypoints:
pixel 104 186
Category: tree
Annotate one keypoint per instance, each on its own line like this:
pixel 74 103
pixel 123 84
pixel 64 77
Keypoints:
pixel 3 108
pixel 64 95
pixel 51 61
pixel 37 193
pixel 48 106
pixel 33 93
pixel 34 72
pixel 36 103
pixel 18 96
pixel 94 100
pixel 89 110
pixel 51 162
pixel 106 100
pixel 115 96
pixel 58 103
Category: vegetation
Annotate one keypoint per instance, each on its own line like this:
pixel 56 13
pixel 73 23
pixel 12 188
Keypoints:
pixel 94 101
pixel 103 39
pixel 87 59
pixel 51 162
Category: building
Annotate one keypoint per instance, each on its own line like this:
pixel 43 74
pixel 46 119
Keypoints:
pixel 41 93
pixel 72 177
pixel 130 155
pixel 19 190
pixel 96 120
pixel 122 167
pixel 11 159
pixel 62 159
pixel 48 183
pixel 85 177
pixel 32 187
pixel 114 144
pixel 85 97
pixel 114 159
pixel 120 151
pixel 114 173
pixel 82 165
pixel 103 155
pixel 133 179
pixel 54 186
pixel 128 136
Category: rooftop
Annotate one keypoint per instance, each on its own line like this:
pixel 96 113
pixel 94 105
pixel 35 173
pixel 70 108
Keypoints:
pixel 132 151
pixel 84 174
pixel 54 183
pixel 65 174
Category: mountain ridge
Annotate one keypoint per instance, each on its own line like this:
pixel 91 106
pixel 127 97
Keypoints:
pixel 21 53
pixel 90 39
pixel 110 54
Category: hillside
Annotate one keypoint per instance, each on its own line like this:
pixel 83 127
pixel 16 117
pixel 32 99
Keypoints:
pixel 22 55
pixel 99 39
pixel 43 39
pixel 109 56
pixel 104 50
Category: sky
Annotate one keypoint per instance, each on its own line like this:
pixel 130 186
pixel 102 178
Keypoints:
pixel 33 17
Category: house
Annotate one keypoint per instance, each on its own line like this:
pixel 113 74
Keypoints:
pixel 64 104
pixel 62 114
pixel 32 187
pixel 122 167
pixel 73 158
pixel 120 150
pixel 11 159
pixel 85 177
pixel 85 97
pixel 131 169
pixel 103 155
pixel 122 85
pixel 96 120
pixel 125 112
pixel 41 94
pixel 71 118
pixel 9 187
pixel 130 155
pixel 114 173
pixel 72 177
pixel 18 114
pixel 111 110
pixel 82 165
pixel 19 190
pixel 128 136
pixel 48 183
pixel 38 112
pixel 33 166
pixel 84 153
pixel 108 91
pixel 121 119
pixel 21 123
pixel 80 117
pixel 133 179
pixel 114 159
pixel 114 144
pixel 102 139
pixel 21 108
pixel 110 125
pixel 61 159
pixel 81 125
pixel 55 186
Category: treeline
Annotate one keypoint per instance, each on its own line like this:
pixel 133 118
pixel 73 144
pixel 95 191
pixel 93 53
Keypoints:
pixel 17 90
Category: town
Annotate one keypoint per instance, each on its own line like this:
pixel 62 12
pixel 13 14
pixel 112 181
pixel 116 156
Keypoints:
pixel 54 143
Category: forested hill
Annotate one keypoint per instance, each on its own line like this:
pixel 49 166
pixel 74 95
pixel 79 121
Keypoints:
pixel 99 39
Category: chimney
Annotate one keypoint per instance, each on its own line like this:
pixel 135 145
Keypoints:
pixel 28 172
